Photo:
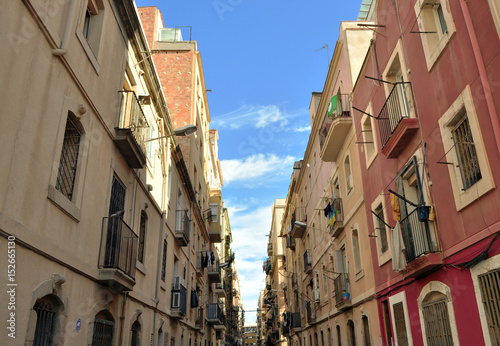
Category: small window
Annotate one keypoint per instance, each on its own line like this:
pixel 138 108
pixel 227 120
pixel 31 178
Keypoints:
pixel 434 26
pixel 164 261
pixel 400 324
pixel 142 237
pixel 69 159
pixel 103 331
pixel 135 339
pixel 348 174
pixel 356 250
pixel 436 319
pixel 489 284
pixel 351 333
pixel 368 137
pixel 339 337
pixel 366 330
pixel 495 12
pixel 466 151
pixel 46 310
pixel 383 244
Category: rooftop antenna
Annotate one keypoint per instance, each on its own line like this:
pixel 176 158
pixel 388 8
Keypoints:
pixel 327 52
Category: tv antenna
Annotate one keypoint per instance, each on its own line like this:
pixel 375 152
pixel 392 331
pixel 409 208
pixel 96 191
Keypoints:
pixel 327 52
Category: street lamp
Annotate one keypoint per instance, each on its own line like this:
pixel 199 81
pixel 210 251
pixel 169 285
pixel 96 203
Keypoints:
pixel 181 131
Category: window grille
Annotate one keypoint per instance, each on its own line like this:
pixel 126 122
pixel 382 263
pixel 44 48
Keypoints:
pixel 103 332
pixel 489 284
pixel 69 160
pixel 45 320
pixel 437 323
pixel 142 236
pixel 164 260
pixel 399 319
pixel 466 153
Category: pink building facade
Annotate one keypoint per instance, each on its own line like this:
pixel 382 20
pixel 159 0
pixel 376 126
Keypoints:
pixel 425 111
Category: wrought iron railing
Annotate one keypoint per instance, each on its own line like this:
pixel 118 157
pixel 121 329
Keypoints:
pixel 215 312
pixel 395 109
pixel 214 268
pixel 343 110
pixel 307 261
pixel 296 320
pixel 342 291
pixel 290 242
pixel 118 246
pixel 416 236
pixel 132 117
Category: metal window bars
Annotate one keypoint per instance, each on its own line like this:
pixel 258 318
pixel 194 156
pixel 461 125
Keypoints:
pixel 69 159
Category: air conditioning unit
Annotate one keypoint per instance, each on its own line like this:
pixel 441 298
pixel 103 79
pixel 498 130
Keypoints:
pixel 317 295
pixel 178 282
pixel 176 300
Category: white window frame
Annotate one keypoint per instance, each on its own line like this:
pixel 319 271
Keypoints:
pixel 400 298
pixel 483 267
pixel 438 286
pixel 495 12
pixel 486 183
pixel 386 256
pixel 369 158
pixel 433 47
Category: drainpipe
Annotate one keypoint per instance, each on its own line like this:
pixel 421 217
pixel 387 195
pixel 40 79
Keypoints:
pixel 482 72
pixel 67 30
pixel 122 318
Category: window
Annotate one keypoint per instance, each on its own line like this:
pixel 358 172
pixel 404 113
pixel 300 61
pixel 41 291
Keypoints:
pixel 339 337
pixel 351 334
pixel 369 143
pixel 387 323
pixel 437 323
pixel 160 337
pixel 142 236
pixel 400 324
pixel 69 159
pixel 93 23
pixel 437 317
pixel 329 336
pixel 366 330
pixel 348 175
pixel 46 310
pixel 381 228
pixel 356 250
pixel 135 339
pixel 495 12
pixel 435 28
pixel 164 260
pixel 465 152
pixel 104 326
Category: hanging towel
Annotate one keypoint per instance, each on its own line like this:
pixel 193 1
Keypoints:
pixel 398 247
pixel 396 215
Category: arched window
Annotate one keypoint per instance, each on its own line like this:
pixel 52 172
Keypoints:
pixel 46 309
pixel 436 319
pixel 316 339
pixel 322 339
pixel 135 339
pixel 339 338
pixel 329 336
pixel 104 326
pixel 356 250
pixel 160 337
pixel 366 330
pixel 351 335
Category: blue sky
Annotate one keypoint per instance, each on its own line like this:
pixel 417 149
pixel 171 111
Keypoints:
pixel 262 60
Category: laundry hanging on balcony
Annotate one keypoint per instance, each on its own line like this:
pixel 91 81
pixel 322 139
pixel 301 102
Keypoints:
pixel 332 106
pixel 397 247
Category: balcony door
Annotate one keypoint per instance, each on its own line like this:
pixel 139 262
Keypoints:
pixel 116 211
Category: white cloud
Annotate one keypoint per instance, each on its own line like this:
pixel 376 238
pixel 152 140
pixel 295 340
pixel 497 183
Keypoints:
pixel 305 128
pixel 254 167
pixel 250 229
pixel 256 116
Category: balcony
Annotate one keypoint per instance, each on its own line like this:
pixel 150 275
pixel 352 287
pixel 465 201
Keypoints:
pixel 117 255
pixel 214 272
pixel 182 227
pixel 133 131
pixel 307 262
pixel 342 292
pixel 334 129
pixel 395 125
pixel 220 289
pixel 215 315
pixel 215 221
pixel 421 252
pixel 296 322
pixel 270 249
pixel 298 227
pixel 200 268
pixel 199 320
pixel 310 312
pixel 295 283
pixel 179 301
pixel 336 222
pixel 290 242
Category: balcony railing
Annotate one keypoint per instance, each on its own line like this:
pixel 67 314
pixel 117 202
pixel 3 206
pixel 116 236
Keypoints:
pixel 310 311
pixel 182 227
pixel 290 242
pixel 215 314
pixel 296 320
pixel 395 126
pixel 132 131
pixel 342 290
pixel 416 236
pixel 214 272
pixel 199 318
pixel 336 223
pixel 334 128
pixel 307 261
pixel 118 254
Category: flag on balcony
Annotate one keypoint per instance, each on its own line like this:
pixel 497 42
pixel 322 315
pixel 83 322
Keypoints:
pixel 332 106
